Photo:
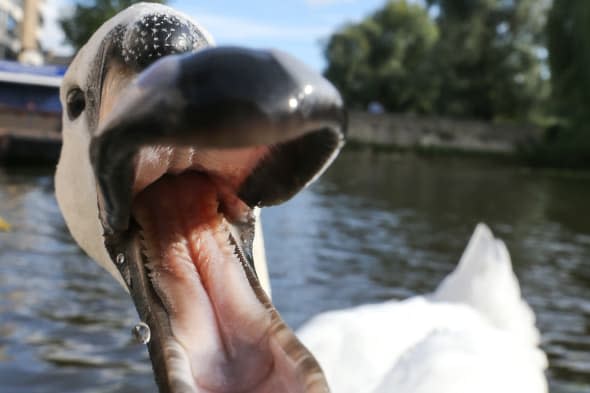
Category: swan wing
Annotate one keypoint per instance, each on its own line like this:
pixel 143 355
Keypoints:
pixel 465 359
pixel 474 333
pixel 484 279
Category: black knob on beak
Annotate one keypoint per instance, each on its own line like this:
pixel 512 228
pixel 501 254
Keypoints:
pixel 158 35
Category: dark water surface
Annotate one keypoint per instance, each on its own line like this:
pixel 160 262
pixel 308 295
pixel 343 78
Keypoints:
pixel 375 227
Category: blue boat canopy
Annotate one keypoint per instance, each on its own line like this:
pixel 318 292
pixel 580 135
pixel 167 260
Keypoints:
pixel 47 75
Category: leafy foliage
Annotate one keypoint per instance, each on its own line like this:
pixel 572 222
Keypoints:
pixel 385 58
pixel 489 57
pixel 568 28
pixel 88 16
pixel 479 58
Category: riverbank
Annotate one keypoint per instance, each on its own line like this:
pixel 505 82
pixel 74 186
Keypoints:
pixel 396 132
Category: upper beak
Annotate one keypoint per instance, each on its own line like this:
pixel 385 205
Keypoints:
pixel 224 97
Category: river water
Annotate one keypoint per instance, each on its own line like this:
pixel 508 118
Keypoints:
pixel 375 227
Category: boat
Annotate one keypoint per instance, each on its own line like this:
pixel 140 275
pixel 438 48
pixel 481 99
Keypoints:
pixel 30 113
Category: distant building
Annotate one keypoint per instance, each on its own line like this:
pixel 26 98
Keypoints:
pixel 20 25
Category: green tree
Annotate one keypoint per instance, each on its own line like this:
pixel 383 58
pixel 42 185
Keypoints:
pixel 88 16
pixel 489 57
pixel 568 29
pixel 477 59
pixel 385 58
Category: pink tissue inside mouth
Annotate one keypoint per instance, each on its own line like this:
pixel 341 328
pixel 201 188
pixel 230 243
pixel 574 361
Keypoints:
pixel 230 165
pixel 215 315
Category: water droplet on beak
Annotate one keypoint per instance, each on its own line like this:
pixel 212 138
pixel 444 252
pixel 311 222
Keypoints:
pixel 142 333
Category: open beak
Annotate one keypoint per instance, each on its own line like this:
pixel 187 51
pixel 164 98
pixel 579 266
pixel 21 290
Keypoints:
pixel 188 149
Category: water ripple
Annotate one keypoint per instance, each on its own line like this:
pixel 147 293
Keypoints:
pixel 375 227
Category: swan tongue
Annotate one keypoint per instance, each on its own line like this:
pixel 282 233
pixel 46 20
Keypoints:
pixel 213 328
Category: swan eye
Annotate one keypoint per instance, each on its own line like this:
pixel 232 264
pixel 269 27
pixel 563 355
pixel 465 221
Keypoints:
pixel 76 103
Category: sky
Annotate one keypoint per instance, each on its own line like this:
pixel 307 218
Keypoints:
pixel 295 26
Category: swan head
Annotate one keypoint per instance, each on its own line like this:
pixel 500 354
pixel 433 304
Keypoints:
pixel 169 147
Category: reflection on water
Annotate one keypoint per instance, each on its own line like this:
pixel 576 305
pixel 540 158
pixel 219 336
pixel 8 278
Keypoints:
pixel 64 326
pixel 375 227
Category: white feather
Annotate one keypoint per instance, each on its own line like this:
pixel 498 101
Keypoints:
pixel 473 334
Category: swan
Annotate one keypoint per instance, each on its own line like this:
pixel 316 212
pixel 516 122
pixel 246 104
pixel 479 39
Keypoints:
pixel 474 333
pixel 170 145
